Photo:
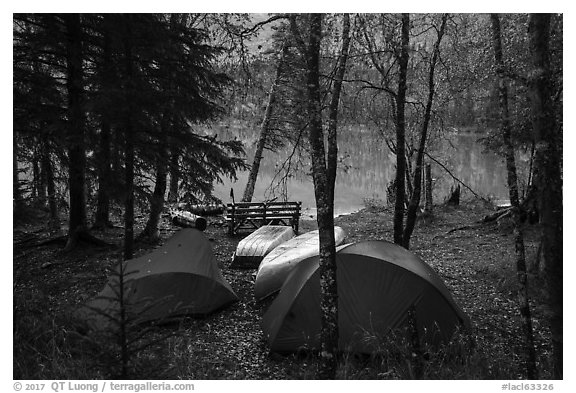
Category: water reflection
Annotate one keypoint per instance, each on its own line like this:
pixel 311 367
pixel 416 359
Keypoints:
pixel 366 168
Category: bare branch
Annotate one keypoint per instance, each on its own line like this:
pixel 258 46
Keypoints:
pixel 370 85
pixel 455 178
pixel 259 25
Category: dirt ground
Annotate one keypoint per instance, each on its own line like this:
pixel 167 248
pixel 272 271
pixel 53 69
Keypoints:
pixel 476 262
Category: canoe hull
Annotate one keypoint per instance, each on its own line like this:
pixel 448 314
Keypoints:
pixel 254 247
pixel 276 266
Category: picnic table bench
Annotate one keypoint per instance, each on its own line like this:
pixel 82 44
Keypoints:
pixel 252 215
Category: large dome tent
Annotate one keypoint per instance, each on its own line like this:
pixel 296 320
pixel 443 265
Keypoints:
pixel 378 283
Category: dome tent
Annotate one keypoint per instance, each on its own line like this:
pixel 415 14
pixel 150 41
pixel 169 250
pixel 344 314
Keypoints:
pixel 378 283
pixel 179 278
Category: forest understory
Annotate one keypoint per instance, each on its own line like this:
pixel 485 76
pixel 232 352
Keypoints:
pixel 476 261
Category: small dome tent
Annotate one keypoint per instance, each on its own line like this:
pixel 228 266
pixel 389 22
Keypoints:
pixel 179 278
pixel 378 283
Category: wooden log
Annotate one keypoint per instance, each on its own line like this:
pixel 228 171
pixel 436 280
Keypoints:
pixel 496 216
pixel 206 210
pixel 186 219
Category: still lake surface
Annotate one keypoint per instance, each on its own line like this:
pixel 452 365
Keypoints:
pixel 366 167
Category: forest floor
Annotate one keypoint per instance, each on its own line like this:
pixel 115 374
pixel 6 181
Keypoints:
pixel 476 261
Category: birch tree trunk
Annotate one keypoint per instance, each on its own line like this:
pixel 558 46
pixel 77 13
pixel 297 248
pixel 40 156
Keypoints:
pixel 548 138
pixel 506 130
pixel 400 133
pixel 334 104
pixel 264 129
pixel 324 175
pixel 325 209
pixel 417 188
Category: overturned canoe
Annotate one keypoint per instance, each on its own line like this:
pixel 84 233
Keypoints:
pixel 276 266
pixel 254 247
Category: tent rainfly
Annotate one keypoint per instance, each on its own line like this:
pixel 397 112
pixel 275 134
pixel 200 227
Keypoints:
pixel 378 284
pixel 179 278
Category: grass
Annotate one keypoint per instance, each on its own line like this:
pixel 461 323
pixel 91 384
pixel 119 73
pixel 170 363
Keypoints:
pixel 45 349
pixel 61 354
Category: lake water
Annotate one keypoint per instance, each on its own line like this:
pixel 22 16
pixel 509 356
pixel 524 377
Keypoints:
pixel 366 168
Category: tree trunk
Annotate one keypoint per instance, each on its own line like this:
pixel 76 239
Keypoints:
pixel 42 181
pixel 325 209
pixel 102 218
pixel 128 146
pixel 548 138
pixel 174 175
pixel 16 190
pixel 506 130
pixel 117 141
pixel 35 177
pixel 429 206
pixel 157 200
pixel 129 201
pixel 48 170
pixel 417 188
pixel 334 104
pixel 400 133
pixel 40 192
pixel 408 182
pixel 76 144
pixel 264 129
pixel 324 175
